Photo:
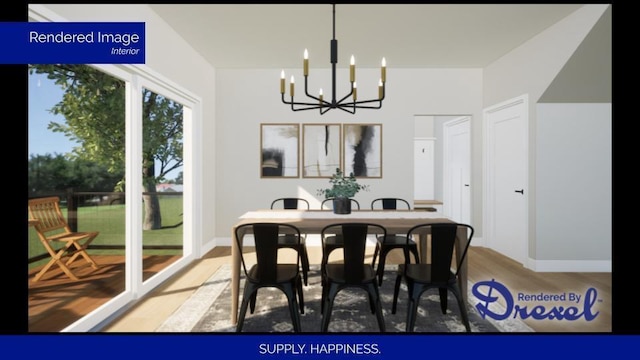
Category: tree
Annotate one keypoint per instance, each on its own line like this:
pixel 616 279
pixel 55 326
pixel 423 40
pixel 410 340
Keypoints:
pixel 55 174
pixel 93 106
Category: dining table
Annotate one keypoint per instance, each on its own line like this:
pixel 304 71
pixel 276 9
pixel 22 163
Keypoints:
pixel 313 221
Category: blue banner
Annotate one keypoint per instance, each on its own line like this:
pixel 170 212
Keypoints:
pixel 325 346
pixel 72 43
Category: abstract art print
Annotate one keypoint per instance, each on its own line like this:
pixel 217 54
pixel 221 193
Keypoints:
pixel 279 145
pixel 363 150
pixel 320 150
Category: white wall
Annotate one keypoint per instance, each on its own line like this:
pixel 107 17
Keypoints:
pixel 574 180
pixel 247 98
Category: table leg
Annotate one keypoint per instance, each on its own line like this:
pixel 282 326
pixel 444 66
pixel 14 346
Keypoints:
pixel 422 247
pixel 235 278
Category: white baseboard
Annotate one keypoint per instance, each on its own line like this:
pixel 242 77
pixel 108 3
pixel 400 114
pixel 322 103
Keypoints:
pixel 477 241
pixel 569 265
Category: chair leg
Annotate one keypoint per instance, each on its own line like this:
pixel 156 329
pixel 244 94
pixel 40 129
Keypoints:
pixel 56 259
pixel 372 302
pixel 412 310
pixel 323 278
pixel 463 309
pixel 300 294
pixel 328 306
pixel 81 251
pixel 290 292
pixel 443 299
pixel 396 291
pixel 247 294
pixel 374 294
pixel 381 263
pixel 253 300
pixel 304 257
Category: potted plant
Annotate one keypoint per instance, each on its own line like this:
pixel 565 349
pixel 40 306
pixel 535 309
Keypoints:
pixel 342 189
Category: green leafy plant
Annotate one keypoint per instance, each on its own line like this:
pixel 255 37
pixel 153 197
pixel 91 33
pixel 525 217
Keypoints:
pixel 342 186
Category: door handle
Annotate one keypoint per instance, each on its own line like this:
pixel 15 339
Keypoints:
pixel 520 191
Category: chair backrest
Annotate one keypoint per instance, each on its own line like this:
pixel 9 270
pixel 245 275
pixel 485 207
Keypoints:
pixel 442 245
pixel 266 247
pixel 47 211
pixel 291 203
pixel 354 203
pixel 390 204
pixel 355 242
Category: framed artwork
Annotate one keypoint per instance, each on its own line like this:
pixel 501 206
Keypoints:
pixel 321 146
pixel 279 144
pixel 363 150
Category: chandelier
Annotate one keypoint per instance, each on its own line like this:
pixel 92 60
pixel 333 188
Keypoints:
pixel 349 102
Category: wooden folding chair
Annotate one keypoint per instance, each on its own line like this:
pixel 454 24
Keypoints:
pixel 51 226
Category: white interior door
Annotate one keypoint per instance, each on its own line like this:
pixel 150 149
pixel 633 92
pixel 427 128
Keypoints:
pixel 457 170
pixel 506 190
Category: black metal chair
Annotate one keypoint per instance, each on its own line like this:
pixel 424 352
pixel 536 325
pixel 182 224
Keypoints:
pixel 392 241
pixel 329 202
pixel 290 203
pixel 268 271
pixel 437 272
pixel 353 271
pixel 285 241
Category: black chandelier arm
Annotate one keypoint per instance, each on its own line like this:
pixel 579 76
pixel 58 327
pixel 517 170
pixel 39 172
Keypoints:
pixel 303 103
pixel 306 92
pixel 359 103
pixel 325 102
pixel 346 96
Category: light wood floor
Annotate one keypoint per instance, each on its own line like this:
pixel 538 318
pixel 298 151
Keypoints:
pixel 484 265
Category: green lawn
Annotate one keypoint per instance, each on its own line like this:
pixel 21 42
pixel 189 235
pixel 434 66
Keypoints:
pixel 109 220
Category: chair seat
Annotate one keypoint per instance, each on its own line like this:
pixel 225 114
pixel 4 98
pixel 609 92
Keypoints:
pixel 421 273
pixel 337 273
pixel 284 272
pixel 387 243
pixel 331 241
pixel 290 240
pixel 396 240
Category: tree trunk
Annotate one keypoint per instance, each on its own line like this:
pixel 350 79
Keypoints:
pixel 152 214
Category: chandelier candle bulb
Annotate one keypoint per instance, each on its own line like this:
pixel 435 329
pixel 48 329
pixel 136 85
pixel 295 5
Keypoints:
pixel 352 69
pixel 282 82
pixel 379 89
pixel 383 70
pixel 320 96
pixel 355 91
pixel 292 85
pixel 306 63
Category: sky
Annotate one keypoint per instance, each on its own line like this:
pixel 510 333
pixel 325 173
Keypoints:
pixel 43 95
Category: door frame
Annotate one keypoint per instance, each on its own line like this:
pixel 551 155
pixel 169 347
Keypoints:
pixel 446 159
pixel 488 184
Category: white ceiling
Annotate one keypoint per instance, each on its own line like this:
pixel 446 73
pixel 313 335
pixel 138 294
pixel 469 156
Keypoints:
pixel 407 35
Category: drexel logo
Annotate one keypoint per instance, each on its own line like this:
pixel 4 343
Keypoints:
pixel 489 292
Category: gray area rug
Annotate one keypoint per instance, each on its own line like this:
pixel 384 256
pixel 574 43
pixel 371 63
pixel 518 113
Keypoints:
pixel 208 310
